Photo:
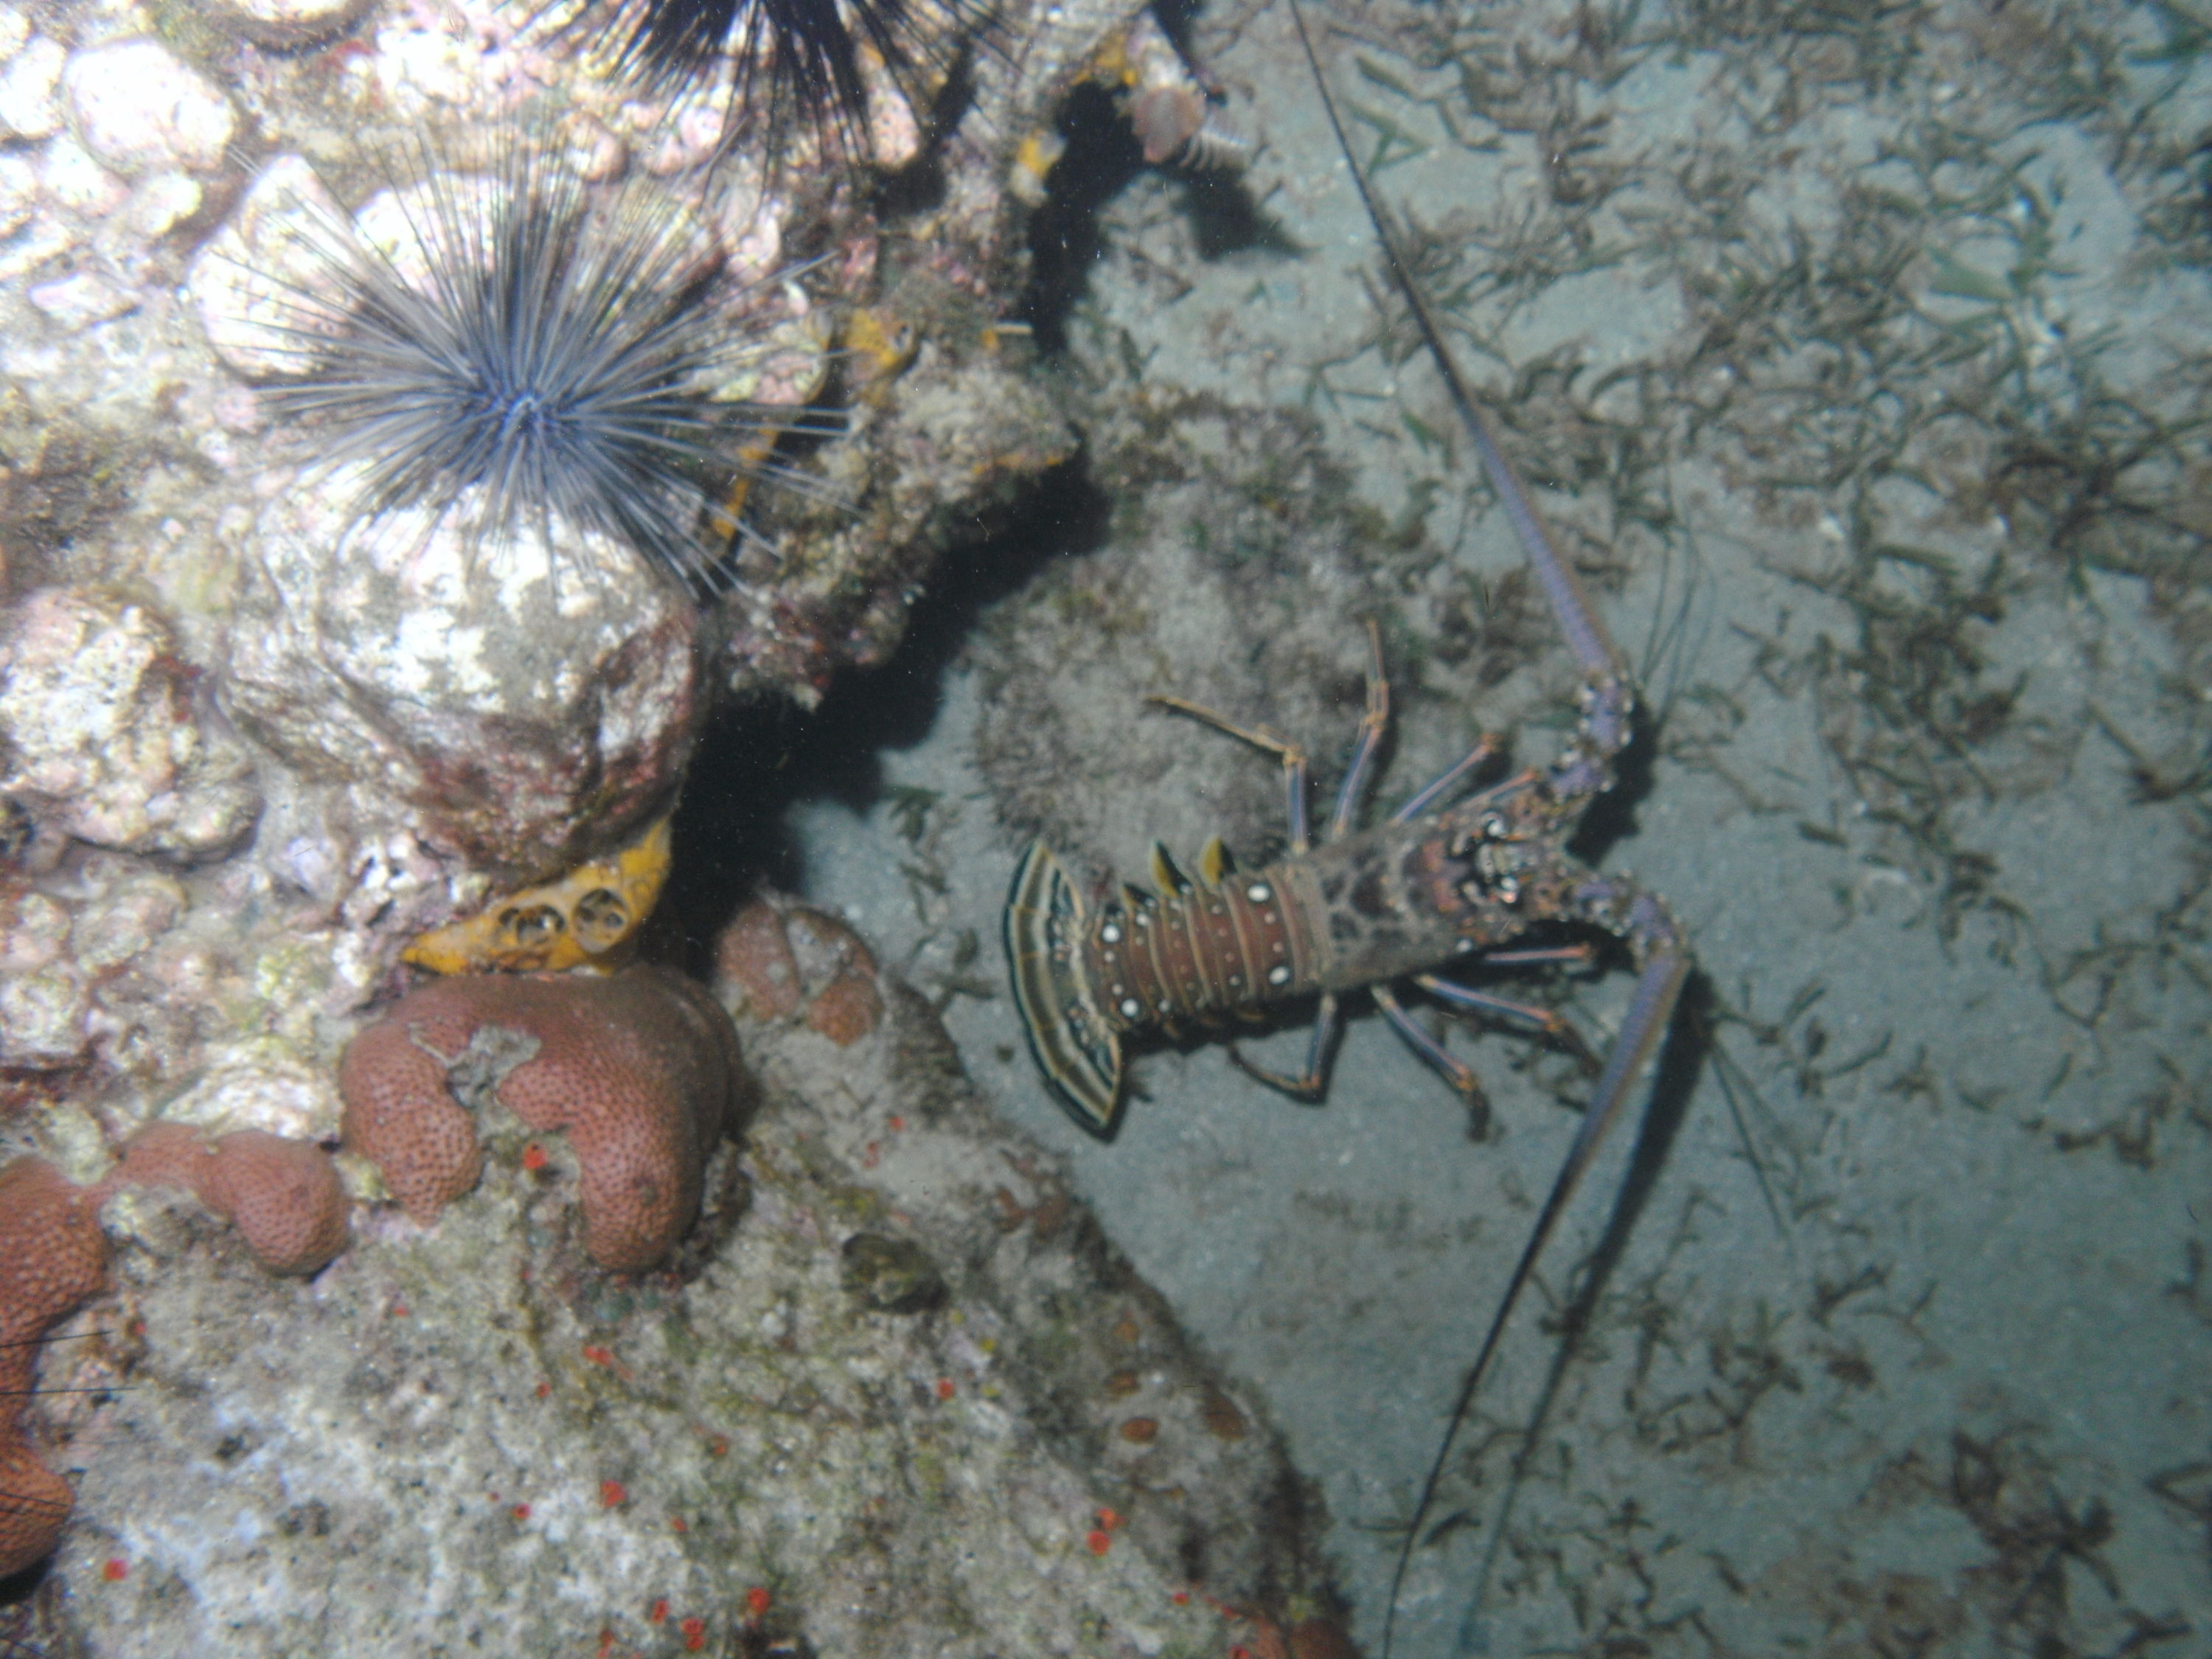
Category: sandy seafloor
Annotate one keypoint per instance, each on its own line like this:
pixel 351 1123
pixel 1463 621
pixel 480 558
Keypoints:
pixel 1909 1349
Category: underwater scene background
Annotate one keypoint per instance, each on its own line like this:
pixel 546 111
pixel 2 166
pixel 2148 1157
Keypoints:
pixel 1857 358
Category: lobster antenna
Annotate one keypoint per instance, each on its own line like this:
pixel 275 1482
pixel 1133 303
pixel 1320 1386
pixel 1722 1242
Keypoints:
pixel 1586 637
pixel 1593 650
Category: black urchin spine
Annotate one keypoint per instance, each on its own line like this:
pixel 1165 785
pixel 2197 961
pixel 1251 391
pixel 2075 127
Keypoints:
pixel 799 58
pixel 555 353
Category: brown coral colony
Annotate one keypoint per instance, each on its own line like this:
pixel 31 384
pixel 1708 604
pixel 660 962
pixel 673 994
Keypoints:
pixel 640 1071
pixel 52 1256
pixel 282 1195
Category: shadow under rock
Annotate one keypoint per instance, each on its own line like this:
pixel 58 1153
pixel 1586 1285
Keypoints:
pixel 1102 155
pixel 754 764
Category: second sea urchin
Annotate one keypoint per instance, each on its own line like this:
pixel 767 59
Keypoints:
pixel 799 63
pixel 556 349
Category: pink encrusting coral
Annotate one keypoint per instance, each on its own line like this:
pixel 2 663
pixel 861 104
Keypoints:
pixel 641 1071
pixel 284 1195
pixel 52 1256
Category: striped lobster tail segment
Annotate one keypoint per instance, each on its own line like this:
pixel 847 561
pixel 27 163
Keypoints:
pixel 1076 1048
pixel 1194 949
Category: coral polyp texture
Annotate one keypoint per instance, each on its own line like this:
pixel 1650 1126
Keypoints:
pixel 284 1195
pixel 52 1256
pixel 779 960
pixel 641 1071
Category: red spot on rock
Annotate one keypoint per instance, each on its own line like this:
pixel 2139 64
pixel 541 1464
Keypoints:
pixel 718 1445
pixel 641 1071
pixel 678 1524
pixel 597 1355
pixel 613 1494
pixel 658 1614
pixel 695 1634
pixel 757 1601
pixel 1109 1519
pixel 945 1389
pixel 1100 1542
pixel 533 1157
pixel 115 1570
pixel 522 1511
pixel 544 1389
pixel 897 1123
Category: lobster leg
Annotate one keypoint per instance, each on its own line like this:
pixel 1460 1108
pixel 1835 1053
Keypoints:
pixel 1310 1085
pixel 1455 1071
pixel 1292 756
pixel 1486 748
pixel 1553 1024
pixel 1374 725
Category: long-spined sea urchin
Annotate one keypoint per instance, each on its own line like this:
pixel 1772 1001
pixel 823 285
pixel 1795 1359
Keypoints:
pixel 802 59
pixel 556 348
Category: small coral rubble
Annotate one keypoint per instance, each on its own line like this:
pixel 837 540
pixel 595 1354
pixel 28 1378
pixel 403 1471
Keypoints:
pixel 51 1257
pixel 641 1071
pixel 779 960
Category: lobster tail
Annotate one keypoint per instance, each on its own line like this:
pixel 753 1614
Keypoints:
pixel 1077 1049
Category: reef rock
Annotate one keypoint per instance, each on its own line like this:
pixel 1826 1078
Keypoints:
pixel 525 697
pixel 103 736
pixel 886 1417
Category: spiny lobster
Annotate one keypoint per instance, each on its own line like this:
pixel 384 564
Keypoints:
pixel 1439 884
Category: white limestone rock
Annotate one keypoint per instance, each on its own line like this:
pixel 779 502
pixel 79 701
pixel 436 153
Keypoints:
pixel 141 109
pixel 102 736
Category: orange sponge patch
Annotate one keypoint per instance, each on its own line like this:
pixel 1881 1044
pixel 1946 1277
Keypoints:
pixel 641 1071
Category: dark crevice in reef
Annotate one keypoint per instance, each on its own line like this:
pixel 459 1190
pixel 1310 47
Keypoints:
pixel 1102 155
pixel 754 764
pixel 922 184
